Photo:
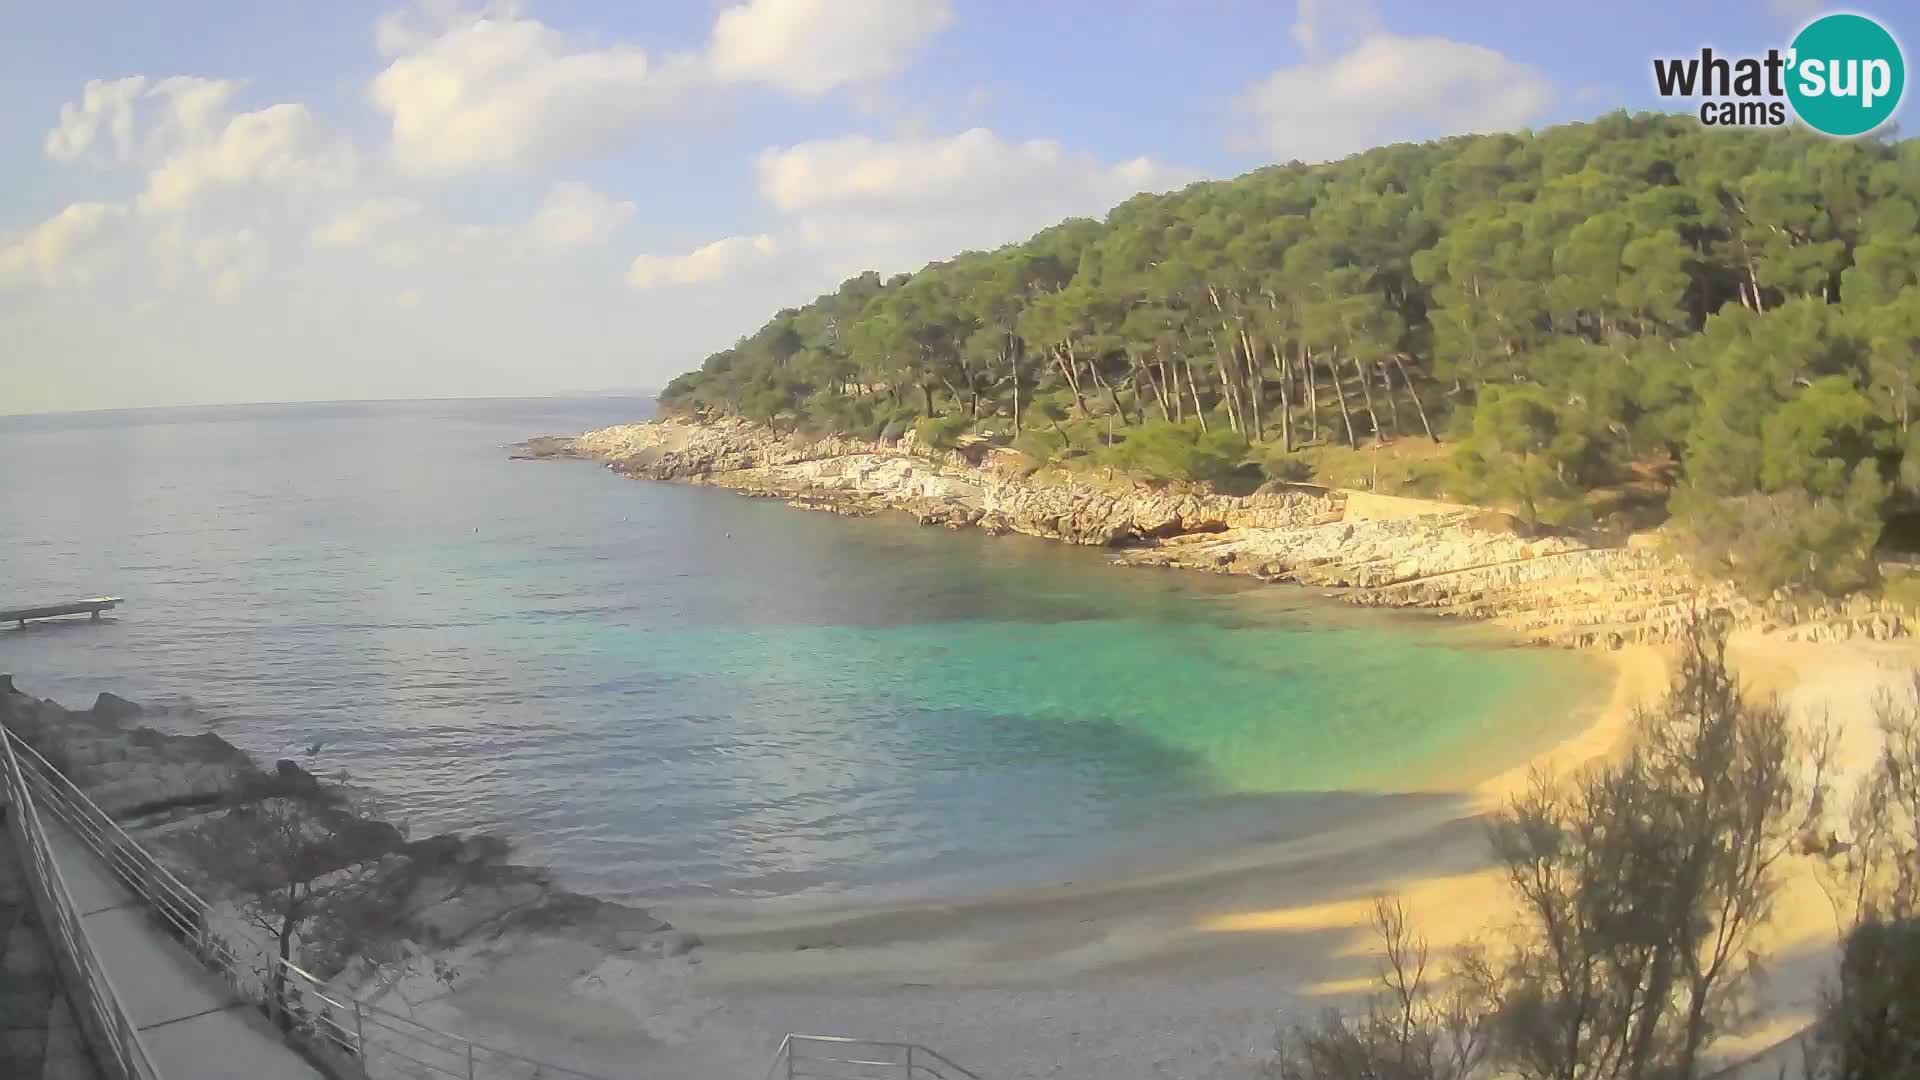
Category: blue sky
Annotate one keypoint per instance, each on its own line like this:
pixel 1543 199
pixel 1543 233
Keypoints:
pixel 243 202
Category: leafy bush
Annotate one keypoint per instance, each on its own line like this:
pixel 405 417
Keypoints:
pixel 895 427
pixel 1869 1023
pixel 1178 452
pixel 1040 444
pixel 1789 540
pixel 1286 468
pixel 1518 451
pixel 940 432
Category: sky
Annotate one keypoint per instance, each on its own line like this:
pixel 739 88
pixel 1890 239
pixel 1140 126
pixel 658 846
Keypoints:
pixel 205 203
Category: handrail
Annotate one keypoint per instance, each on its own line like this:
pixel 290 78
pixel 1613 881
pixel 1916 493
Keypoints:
pixel 326 1017
pixel 330 1019
pixel 814 1057
pixel 97 1003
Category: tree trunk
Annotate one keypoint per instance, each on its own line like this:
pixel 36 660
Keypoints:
pixel 1254 388
pixel 1393 400
pixel 926 391
pixel 1013 355
pixel 1415 395
pixel 1113 396
pixel 1155 372
pixel 1366 393
pixel 1193 387
pixel 1073 380
pixel 1179 403
pixel 1313 394
pixel 1340 393
pixel 1286 398
pixel 277 991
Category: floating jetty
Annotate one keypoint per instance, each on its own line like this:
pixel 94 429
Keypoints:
pixel 92 607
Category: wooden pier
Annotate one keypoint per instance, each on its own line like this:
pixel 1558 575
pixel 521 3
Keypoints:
pixel 92 607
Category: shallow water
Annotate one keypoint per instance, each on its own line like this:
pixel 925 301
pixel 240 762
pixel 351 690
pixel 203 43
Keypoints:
pixel 677 694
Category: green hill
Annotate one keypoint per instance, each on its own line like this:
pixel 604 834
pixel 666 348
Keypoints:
pixel 1725 322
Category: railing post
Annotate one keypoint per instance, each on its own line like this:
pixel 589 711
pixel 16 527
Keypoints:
pixel 909 1061
pixel 359 1035
pixel 789 1059
pixel 469 1061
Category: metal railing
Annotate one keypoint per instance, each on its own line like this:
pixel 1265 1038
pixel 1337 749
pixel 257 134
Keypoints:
pixel 343 1030
pixel 96 1004
pixel 830 1057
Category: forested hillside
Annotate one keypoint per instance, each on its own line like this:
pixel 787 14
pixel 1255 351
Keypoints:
pixel 1725 323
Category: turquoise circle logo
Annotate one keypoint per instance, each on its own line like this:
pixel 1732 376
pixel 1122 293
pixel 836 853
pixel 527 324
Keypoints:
pixel 1847 75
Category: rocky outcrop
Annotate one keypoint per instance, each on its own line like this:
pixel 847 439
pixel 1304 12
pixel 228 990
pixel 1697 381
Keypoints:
pixel 1376 550
pixel 413 901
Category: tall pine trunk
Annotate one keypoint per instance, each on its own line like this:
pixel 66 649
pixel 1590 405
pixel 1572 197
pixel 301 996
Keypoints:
pixel 1414 393
pixel 1313 393
pixel 1193 387
pixel 1366 393
pixel 1286 398
pixel 1393 400
pixel 1254 381
pixel 1340 393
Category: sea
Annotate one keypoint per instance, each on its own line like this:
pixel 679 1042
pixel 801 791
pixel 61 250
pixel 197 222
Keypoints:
pixel 679 696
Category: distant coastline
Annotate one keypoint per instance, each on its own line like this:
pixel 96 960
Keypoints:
pixel 1560 588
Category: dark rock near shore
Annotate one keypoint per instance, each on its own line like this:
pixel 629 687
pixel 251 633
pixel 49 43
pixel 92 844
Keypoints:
pixel 173 794
pixel 114 708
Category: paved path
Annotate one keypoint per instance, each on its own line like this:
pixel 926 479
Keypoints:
pixel 38 1038
pixel 194 1025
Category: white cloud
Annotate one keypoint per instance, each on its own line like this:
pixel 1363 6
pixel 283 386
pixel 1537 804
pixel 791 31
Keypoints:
pixel 971 172
pixel 407 298
pixel 808 47
pixel 105 104
pixel 361 225
pixel 281 145
pixel 574 216
pixel 182 132
pixel 1391 87
pixel 1319 25
pixel 720 260
pixel 68 248
pixel 225 260
pixel 504 93
pixel 855 203
pixel 496 90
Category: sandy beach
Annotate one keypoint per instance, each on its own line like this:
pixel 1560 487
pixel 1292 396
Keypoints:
pixel 1188 972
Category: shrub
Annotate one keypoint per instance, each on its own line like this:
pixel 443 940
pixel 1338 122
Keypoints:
pixel 940 432
pixel 1789 540
pixel 1869 1023
pixel 1286 468
pixel 1178 452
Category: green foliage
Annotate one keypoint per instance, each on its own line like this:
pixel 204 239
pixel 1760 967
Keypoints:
pixel 1575 303
pixel 1286 468
pixel 1178 452
pixel 1517 451
pixel 940 432
pixel 1792 540
pixel 1643 889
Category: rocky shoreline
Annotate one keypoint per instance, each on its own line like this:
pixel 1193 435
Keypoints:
pixel 1561 588
pixel 428 918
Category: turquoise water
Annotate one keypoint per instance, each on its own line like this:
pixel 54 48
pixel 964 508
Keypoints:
pixel 674 693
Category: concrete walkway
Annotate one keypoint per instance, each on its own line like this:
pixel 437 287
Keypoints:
pixel 38 1037
pixel 194 1025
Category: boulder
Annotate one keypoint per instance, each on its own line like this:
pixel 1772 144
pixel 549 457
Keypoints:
pixel 113 708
